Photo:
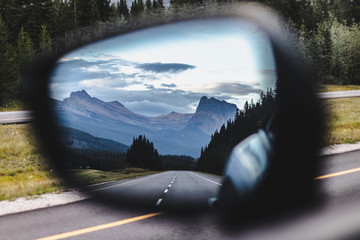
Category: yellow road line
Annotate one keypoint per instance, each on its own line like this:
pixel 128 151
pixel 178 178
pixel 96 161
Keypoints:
pixel 338 173
pixel 100 227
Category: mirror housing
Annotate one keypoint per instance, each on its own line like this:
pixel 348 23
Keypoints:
pixel 278 162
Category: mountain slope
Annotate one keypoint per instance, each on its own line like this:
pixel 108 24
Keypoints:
pixel 211 114
pixel 73 138
pixel 173 133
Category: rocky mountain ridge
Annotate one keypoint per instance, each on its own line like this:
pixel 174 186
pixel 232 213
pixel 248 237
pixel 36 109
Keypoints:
pixel 173 133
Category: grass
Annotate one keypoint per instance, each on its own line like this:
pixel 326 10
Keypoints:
pixel 84 177
pixel 23 169
pixel 14 105
pixel 343 118
pixel 337 88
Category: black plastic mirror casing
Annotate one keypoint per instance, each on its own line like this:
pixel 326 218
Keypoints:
pixel 290 144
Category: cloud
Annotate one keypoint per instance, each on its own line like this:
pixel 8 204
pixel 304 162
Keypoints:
pixel 171 85
pixel 150 86
pixel 236 89
pixel 165 67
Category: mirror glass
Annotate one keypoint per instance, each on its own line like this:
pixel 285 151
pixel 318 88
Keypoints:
pixel 171 97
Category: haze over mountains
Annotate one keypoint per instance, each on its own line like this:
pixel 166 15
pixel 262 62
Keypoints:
pixel 173 133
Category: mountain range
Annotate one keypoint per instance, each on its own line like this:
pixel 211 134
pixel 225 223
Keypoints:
pixel 173 133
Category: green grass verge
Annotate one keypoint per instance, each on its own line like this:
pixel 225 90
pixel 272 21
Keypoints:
pixel 343 120
pixel 23 169
pixel 83 177
pixel 343 116
pixel 14 105
pixel 337 88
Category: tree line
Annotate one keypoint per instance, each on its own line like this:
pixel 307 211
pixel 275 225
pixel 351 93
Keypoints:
pixel 95 159
pixel 327 31
pixel 141 154
pixel 214 156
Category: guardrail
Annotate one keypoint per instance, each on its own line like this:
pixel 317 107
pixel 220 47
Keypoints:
pixel 342 94
pixel 16 117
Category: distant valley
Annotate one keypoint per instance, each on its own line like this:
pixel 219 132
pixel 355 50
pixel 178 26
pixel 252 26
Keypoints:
pixel 173 133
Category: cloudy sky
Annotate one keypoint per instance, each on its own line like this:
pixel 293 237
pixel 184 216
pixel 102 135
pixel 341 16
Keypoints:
pixel 169 68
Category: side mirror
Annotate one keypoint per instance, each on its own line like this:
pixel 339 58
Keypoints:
pixel 170 97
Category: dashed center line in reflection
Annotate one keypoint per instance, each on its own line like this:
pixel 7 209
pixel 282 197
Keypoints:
pixel 166 190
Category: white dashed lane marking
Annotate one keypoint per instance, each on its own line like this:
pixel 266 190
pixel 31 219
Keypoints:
pixel 166 190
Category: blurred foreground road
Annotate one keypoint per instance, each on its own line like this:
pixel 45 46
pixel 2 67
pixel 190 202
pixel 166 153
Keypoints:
pixel 338 217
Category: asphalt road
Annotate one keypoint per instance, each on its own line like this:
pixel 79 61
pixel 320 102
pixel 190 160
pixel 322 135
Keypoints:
pixel 338 216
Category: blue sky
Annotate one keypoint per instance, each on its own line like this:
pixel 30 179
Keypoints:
pixel 169 68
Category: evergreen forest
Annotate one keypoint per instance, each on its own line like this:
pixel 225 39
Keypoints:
pixel 247 121
pixel 327 31
pixel 141 154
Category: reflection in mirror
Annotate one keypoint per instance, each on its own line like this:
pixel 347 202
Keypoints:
pixel 172 97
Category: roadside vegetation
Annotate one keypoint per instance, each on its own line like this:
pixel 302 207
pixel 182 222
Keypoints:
pixel 343 120
pixel 343 116
pixel 337 88
pixel 84 177
pixel 23 169
pixel 13 105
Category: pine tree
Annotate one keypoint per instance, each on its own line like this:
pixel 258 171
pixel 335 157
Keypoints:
pixel 87 12
pixel 143 154
pixel 45 40
pixel 148 5
pixel 123 10
pixel 160 4
pixel 104 9
pixel 8 67
pixel 25 48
